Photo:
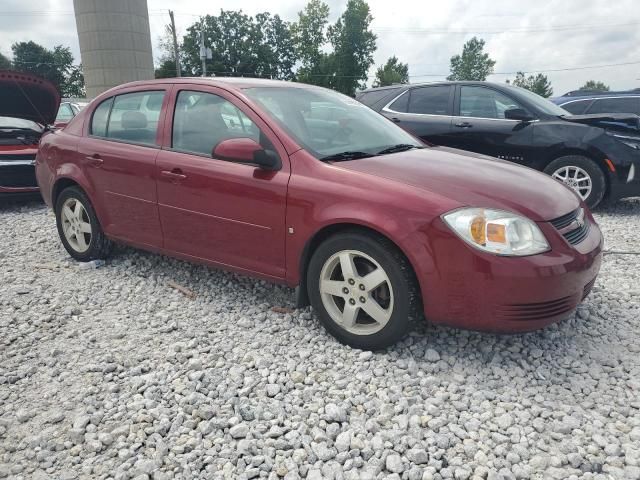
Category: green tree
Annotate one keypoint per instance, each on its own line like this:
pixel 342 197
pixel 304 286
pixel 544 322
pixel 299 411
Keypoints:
pixel 392 72
pixel 539 84
pixel 309 35
pixel 473 64
pixel 594 85
pixel 353 46
pixel 5 63
pixel 242 45
pixel 55 65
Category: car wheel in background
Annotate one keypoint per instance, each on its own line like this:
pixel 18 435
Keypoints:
pixel 582 175
pixel 363 289
pixel 78 226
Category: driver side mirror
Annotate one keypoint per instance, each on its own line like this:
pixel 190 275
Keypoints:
pixel 519 114
pixel 246 150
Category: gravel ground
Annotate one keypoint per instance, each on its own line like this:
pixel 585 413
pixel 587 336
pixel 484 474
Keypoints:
pixel 111 373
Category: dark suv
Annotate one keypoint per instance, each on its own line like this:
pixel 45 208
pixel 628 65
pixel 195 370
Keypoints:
pixel 597 155
pixel 580 102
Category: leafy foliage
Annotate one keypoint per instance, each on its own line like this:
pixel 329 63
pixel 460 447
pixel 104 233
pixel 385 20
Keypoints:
pixel 309 36
pixel 595 85
pixel 353 46
pixel 242 45
pixel 539 84
pixel 55 65
pixel 473 64
pixel 392 72
pixel 5 63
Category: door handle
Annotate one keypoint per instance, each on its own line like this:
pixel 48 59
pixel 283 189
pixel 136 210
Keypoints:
pixel 395 119
pixel 463 125
pixel 95 160
pixel 175 174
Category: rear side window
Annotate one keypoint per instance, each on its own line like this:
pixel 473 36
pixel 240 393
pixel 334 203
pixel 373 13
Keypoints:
pixel 430 100
pixel 616 105
pixel 134 117
pixel 100 118
pixel 576 108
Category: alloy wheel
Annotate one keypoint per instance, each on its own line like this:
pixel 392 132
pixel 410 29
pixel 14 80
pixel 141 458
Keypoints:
pixel 356 292
pixel 575 178
pixel 76 225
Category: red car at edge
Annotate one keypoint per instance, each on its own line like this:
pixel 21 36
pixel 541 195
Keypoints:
pixel 301 185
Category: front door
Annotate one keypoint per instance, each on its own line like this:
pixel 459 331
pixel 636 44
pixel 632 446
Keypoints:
pixel 479 125
pixel 225 212
pixel 119 159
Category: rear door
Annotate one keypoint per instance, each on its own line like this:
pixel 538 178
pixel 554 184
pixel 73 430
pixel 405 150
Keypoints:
pixel 118 156
pixel 425 112
pixel 221 211
pixel 479 125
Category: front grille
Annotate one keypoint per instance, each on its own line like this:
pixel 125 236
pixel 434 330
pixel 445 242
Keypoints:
pixel 574 226
pixel 565 220
pixel 587 288
pixel 22 156
pixel 536 311
pixel 18 176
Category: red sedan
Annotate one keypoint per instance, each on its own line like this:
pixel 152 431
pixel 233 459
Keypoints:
pixel 304 186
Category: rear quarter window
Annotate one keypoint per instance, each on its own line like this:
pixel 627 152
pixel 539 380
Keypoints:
pixel 100 117
pixel 373 97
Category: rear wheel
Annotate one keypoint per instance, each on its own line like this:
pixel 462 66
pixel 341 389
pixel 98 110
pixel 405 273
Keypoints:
pixel 582 175
pixel 362 289
pixel 78 226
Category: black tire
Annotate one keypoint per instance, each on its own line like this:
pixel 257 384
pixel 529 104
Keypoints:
pixel 99 246
pixel 598 181
pixel 406 303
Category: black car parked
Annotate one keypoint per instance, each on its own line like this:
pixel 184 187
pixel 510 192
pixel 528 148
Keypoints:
pixel 580 102
pixel 596 155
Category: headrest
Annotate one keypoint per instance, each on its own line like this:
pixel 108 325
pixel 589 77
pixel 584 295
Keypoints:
pixel 132 119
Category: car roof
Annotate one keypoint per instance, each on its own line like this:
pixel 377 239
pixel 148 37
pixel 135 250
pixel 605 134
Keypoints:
pixel 589 94
pixel 233 83
pixel 439 82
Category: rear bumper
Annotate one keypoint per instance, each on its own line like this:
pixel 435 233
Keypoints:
pixel 478 291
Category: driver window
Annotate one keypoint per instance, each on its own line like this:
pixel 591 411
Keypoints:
pixel 481 102
pixel 202 120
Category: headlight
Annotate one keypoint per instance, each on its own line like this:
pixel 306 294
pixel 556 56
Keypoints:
pixel 497 231
pixel 633 142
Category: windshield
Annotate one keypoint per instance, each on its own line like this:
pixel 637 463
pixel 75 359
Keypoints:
pixel 327 123
pixel 541 103
pixel 10 122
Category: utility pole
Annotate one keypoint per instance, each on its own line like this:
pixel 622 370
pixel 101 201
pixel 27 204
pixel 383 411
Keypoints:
pixel 175 44
pixel 205 52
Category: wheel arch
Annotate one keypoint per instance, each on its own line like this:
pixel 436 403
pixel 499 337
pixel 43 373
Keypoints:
pixel 326 232
pixel 59 185
pixel 597 157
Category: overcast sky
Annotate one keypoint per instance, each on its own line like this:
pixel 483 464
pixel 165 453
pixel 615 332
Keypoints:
pixel 540 35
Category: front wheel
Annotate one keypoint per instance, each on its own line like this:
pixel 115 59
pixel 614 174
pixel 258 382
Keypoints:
pixel 78 226
pixel 582 175
pixel 363 290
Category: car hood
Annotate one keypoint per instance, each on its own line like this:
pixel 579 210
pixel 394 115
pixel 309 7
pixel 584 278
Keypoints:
pixel 611 121
pixel 473 180
pixel 27 96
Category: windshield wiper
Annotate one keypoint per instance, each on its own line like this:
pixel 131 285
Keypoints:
pixel 348 155
pixel 401 147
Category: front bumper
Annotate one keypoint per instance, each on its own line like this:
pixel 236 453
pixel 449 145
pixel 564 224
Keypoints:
pixel 475 290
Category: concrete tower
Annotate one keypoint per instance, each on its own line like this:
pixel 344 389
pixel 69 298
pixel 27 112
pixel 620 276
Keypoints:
pixel 115 42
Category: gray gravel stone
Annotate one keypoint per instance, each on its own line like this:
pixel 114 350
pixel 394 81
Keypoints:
pixel 123 377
